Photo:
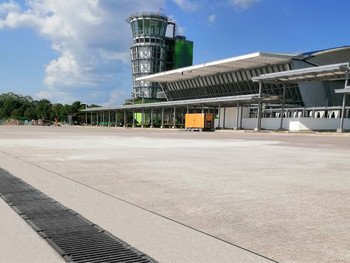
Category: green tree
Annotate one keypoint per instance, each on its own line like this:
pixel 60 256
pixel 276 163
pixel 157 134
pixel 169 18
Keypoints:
pixel 43 109
pixel 30 113
pixel 24 107
pixel 17 113
pixel 67 109
pixel 10 102
pixel 57 112
pixel 76 106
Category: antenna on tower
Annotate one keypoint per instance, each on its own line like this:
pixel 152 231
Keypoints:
pixel 160 9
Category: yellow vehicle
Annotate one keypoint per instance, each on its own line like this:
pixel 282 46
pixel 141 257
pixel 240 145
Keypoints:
pixel 199 121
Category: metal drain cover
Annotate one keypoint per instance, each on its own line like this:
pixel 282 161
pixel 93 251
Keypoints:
pixel 75 238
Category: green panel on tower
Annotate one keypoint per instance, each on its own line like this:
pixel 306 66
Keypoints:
pixel 183 53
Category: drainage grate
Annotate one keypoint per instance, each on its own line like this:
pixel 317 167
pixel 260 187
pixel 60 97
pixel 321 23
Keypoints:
pixel 75 238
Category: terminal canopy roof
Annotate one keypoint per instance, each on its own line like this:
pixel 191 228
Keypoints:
pixel 320 73
pixel 230 101
pixel 254 60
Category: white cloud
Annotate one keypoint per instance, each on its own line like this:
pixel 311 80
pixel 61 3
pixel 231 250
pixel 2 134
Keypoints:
pixel 43 95
pixel 91 39
pixel 115 95
pixel 187 5
pixel 7 7
pixel 211 18
pixel 243 4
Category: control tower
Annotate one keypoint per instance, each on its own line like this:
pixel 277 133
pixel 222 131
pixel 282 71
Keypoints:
pixel 156 48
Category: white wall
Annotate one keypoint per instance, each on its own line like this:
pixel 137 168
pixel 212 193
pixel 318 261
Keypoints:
pixel 231 117
pixel 290 124
pixel 296 124
pixel 303 124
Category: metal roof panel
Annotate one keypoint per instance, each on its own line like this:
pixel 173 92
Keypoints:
pixel 329 72
pixel 252 60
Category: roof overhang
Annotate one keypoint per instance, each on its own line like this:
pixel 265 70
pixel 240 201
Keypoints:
pixel 208 102
pixel 327 72
pixel 254 60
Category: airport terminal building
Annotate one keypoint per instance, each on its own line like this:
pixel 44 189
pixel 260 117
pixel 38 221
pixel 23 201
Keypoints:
pixel 260 90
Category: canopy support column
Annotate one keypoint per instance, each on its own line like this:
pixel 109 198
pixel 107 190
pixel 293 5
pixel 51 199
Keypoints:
pixel 219 116
pixel 125 119
pixel 258 124
pixel 142 118
pixel 116 119
pixel 224 120
pixel 162 121
pixel 341 128
pixel 241 118
pixel 282 109
pixel 182 118
pixel 174 118
pixel 151 117
pixel 109 118
pixel 237 117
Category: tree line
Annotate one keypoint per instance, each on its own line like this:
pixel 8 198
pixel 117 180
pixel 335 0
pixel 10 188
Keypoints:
pixel 15 106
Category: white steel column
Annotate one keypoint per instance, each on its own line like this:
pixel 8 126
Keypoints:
pixel 341 129
pixel 224 120
pixel 109 118
pixel 133 118
pixel 151 117
pixel 282 109
pixel 174 118
pixel 125 119
pixel 258 124
pixel 91 119
pixel 116 118
pixel 237 116
pixel 219 116
pixel 162 122
pixel 241 118
pixel 142 117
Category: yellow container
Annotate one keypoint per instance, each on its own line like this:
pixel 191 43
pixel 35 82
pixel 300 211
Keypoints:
pixel 202 121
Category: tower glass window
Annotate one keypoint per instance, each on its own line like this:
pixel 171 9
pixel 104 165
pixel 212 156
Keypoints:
pixel 147 26
pixel 140 28
pixel 152 51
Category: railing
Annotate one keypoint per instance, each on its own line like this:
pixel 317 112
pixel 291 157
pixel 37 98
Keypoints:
pixel 302 112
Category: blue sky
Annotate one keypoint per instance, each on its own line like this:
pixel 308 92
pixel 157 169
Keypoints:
pixel 72 50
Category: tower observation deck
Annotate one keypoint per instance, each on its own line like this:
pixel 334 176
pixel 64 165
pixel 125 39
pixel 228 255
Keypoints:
pixel 155 48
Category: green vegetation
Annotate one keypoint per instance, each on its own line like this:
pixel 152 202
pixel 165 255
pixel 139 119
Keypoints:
pixel 14 106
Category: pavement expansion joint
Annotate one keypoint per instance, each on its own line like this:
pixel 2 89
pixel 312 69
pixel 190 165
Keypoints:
pixel 74 237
